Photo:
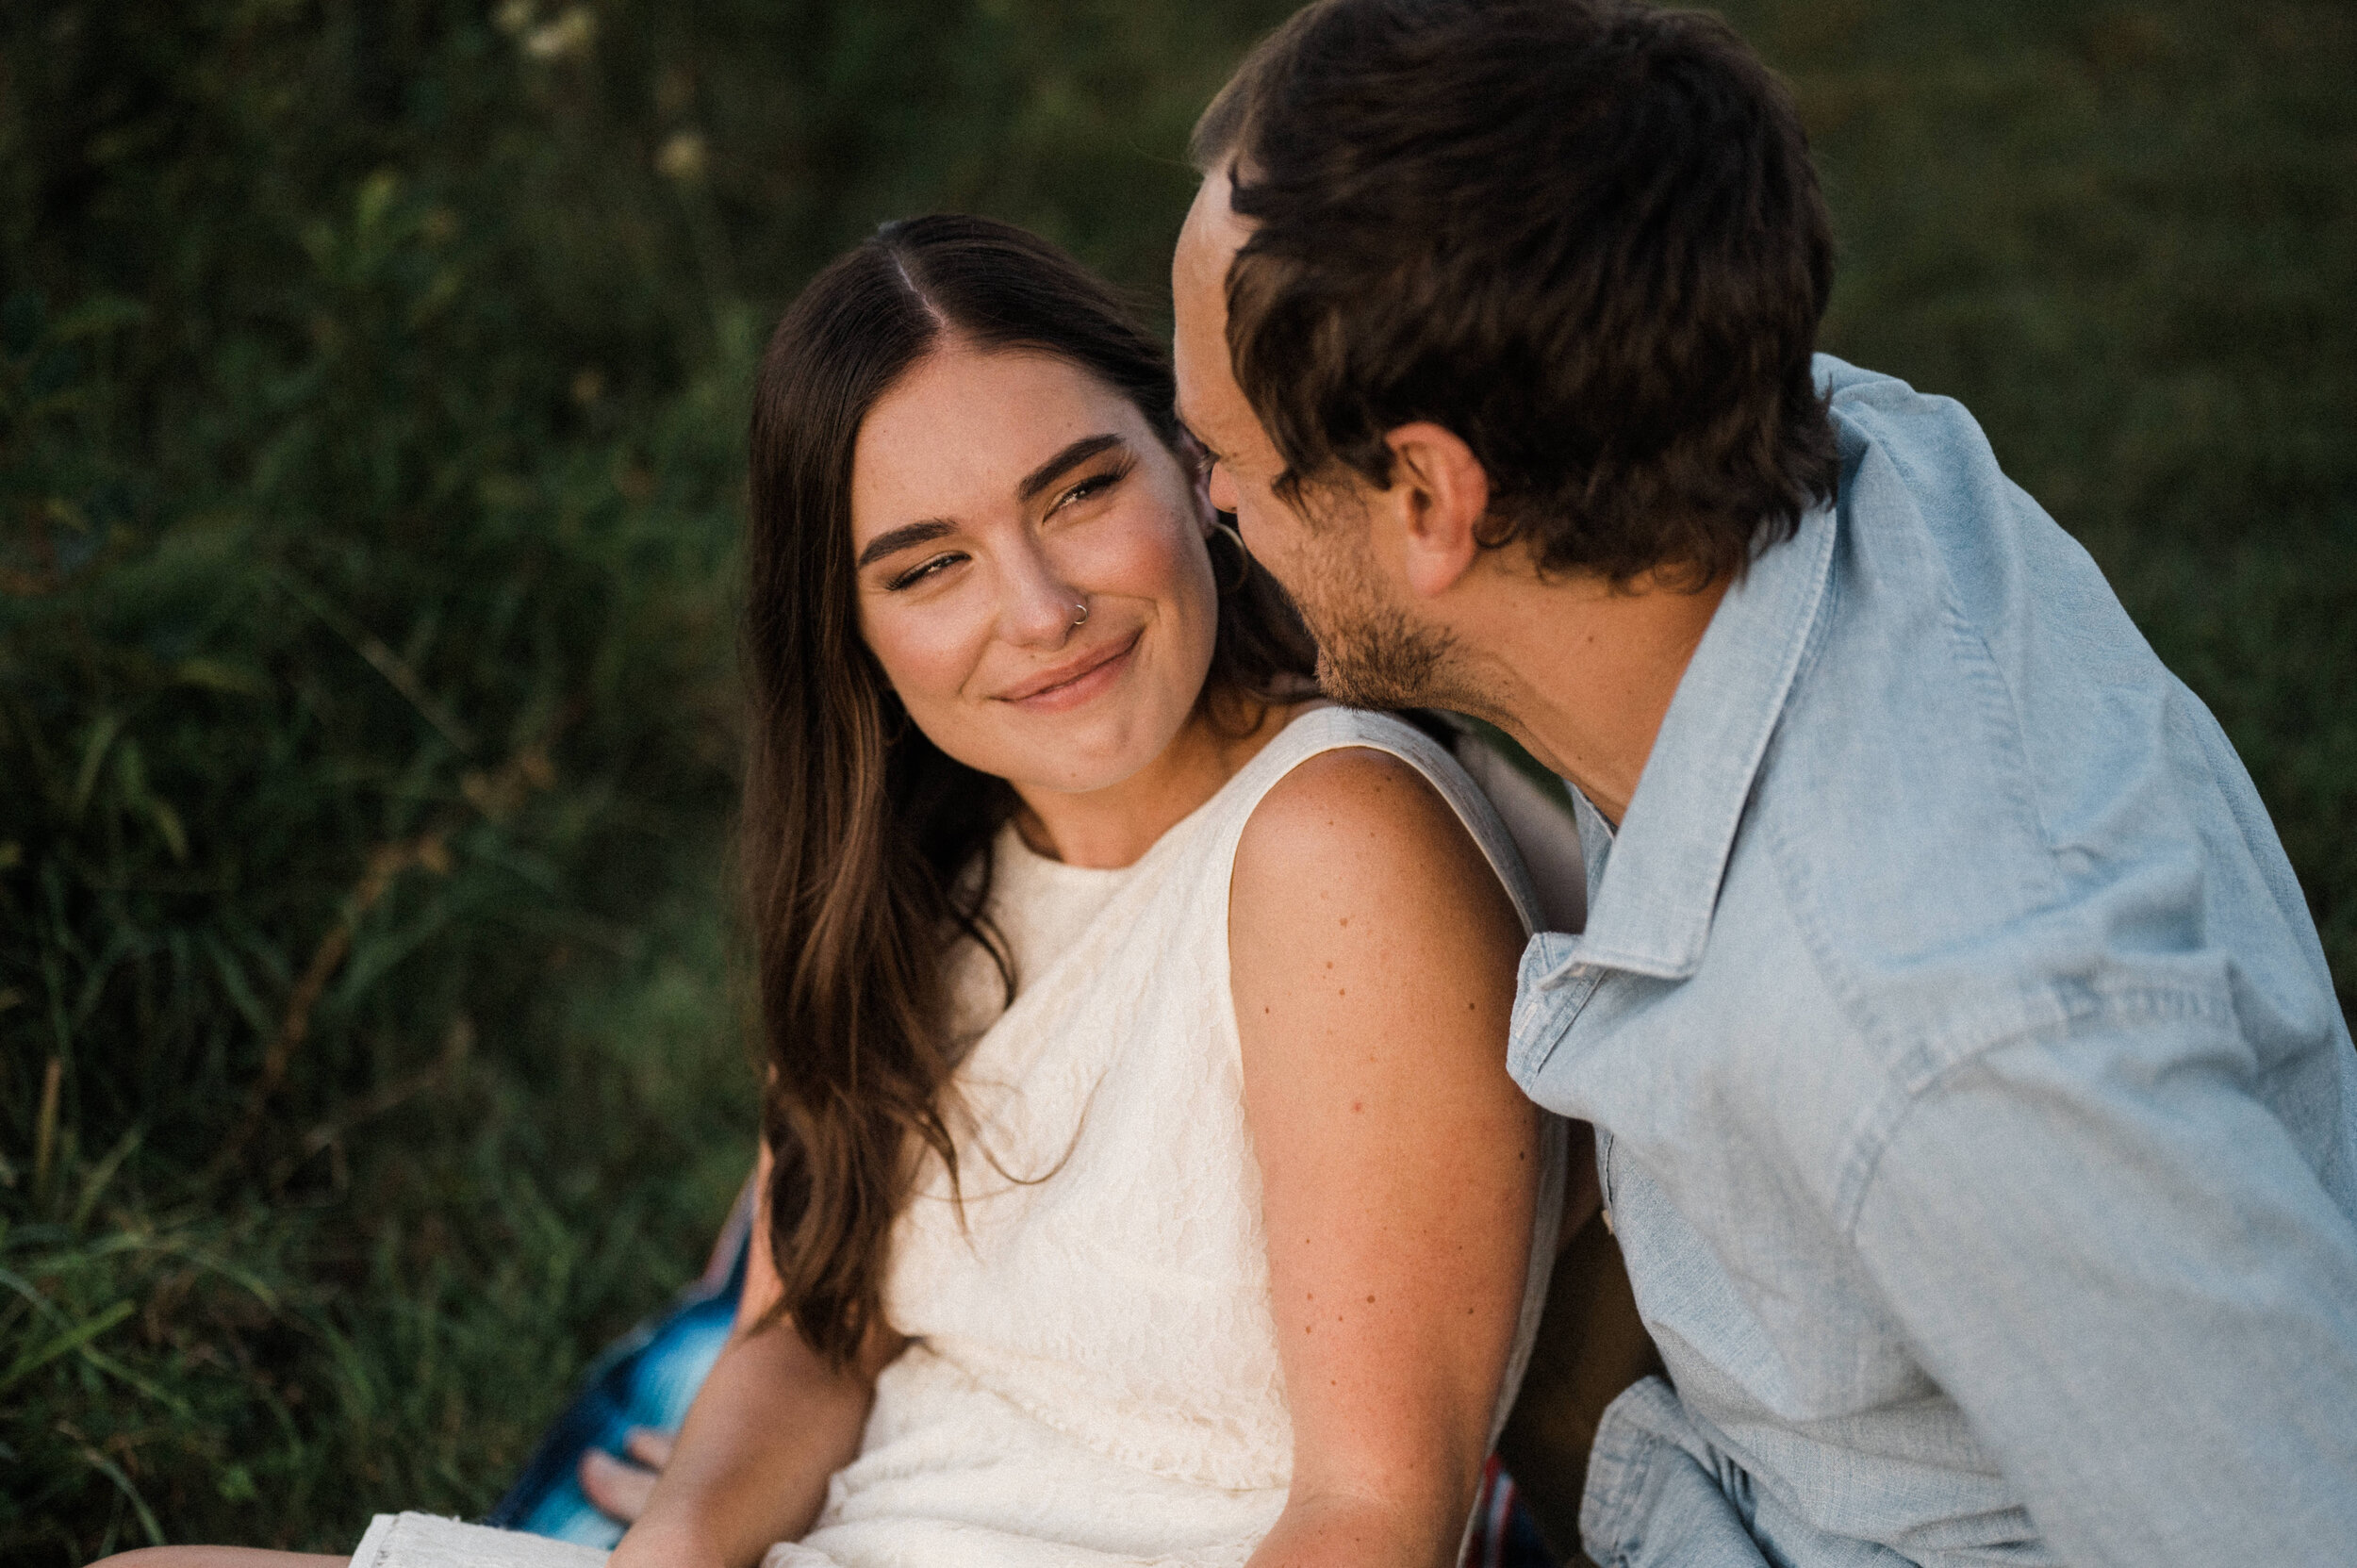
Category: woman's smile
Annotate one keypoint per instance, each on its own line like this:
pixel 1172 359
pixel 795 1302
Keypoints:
pixel 1032 573
pixel 1076 680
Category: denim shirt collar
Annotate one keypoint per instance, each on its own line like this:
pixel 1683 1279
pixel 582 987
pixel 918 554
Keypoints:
pixel 1649 912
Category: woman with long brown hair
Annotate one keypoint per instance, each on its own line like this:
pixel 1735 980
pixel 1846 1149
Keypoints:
pixel 1142 1180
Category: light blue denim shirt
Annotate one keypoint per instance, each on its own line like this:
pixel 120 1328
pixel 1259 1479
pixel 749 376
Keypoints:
pixel 1975 1113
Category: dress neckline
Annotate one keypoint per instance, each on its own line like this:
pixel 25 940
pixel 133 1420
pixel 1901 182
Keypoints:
pixel 1016 854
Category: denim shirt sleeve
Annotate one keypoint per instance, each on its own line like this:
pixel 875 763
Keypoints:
pixel 2112 1257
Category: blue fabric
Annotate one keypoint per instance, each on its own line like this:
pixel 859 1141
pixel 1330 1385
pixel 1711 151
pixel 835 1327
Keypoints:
pixel 647 1379
pixel 1976 1113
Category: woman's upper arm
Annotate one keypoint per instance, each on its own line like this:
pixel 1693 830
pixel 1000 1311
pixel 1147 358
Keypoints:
pixel 1372 955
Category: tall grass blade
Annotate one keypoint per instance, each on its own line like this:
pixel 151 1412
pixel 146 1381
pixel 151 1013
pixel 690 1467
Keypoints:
pixel 94 1186
pixel 113 1472
pixel 72 1339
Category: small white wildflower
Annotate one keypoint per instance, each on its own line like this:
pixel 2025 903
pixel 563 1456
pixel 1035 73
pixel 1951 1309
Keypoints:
pixel 681 157
pixel 569 34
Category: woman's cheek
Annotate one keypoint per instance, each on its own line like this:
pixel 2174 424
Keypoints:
pixel 929 657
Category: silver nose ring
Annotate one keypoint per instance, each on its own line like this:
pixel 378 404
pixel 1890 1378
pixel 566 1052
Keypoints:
pixel 1082 606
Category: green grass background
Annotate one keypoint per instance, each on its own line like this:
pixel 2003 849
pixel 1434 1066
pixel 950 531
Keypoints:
pixel 372 387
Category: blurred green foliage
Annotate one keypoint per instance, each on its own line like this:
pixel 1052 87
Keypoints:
pixel 372 382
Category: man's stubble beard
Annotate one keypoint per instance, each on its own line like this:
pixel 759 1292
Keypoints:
pixel 1370 653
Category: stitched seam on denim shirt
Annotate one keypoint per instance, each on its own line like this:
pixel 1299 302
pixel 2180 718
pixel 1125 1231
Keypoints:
pixel 1915 1058
pixel 1780 849
pixel 1984 669
pixel 2109 1008
pixel 1979 667
pixel 1528 1060
pixel 1631 1462
pixel 2012 729
pixel 1891 1102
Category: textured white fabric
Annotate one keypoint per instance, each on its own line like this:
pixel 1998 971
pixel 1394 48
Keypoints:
pixel 1095 1376
pixel 426 1541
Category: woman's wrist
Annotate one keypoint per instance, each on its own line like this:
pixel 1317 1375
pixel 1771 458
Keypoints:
pixel 661 1539
pixel 1354 1532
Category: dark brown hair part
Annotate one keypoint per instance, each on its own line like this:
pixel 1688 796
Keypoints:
pixel 1585 236
pixel 865 847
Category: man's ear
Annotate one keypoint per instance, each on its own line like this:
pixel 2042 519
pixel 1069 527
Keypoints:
pixel 1442 493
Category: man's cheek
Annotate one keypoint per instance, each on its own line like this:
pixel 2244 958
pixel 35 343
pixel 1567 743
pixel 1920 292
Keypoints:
pixel 1266 525
pixel 1268 546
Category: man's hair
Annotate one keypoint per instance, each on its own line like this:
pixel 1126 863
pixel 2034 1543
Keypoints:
pixel 1585 236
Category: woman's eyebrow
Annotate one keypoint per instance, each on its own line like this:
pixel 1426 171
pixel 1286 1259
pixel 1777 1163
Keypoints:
pixel 1078 452
pixel 894 540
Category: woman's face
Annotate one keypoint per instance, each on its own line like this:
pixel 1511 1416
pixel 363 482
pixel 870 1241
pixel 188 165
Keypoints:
pixel 994 496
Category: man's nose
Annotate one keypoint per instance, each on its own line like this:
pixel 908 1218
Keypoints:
pixel 1222 488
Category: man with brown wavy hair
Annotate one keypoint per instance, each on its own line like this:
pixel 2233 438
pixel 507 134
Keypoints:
pixel 1972 1103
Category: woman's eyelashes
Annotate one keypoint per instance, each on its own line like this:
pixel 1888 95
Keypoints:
pixel 1095 485
pixel 1101 482
pixel 923 569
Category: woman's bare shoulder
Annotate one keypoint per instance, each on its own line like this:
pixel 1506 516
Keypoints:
pixel 1349 815
pixel 1359 837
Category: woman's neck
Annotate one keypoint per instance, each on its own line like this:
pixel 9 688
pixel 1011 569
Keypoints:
pixel 1113 827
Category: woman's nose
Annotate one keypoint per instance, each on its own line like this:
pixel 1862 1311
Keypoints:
pixel 1039 608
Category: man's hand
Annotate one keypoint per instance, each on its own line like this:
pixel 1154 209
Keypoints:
pixel 619 1488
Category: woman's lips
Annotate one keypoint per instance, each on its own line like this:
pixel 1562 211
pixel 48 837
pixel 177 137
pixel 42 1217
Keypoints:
pixel 1057 690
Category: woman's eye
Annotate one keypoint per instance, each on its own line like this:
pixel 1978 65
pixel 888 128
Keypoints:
pixel 917 573
pixel 1089 488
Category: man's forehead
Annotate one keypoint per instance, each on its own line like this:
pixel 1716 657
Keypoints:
pixel 1213 233
pixel 1206 244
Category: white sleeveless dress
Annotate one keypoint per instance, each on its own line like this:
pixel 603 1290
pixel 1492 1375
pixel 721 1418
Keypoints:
pixel 1093 1376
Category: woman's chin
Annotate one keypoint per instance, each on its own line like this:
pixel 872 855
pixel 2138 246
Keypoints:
pixel 1043 775
pixel 1083 758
